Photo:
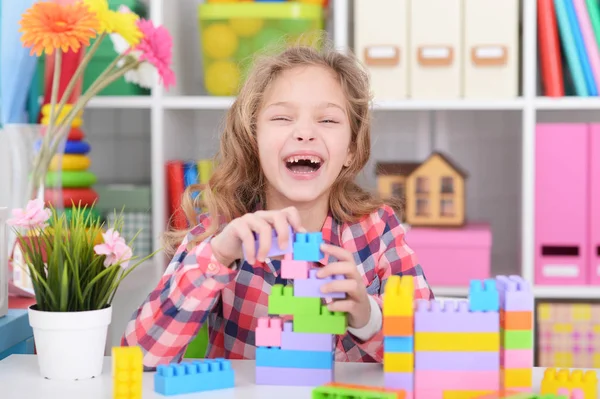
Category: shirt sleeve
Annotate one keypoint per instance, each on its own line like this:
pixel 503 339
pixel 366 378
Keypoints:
pixel 395 257
pixel 171 316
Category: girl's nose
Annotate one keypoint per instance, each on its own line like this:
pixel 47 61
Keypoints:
pixel 304 134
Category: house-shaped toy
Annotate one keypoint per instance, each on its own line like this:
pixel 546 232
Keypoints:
pixel 433 190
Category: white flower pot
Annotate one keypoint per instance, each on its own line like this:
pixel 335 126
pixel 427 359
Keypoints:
pixel 70 345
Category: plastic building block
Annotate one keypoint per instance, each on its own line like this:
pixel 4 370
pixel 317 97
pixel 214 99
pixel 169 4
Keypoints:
pixel 516 358
pixel 398 362
pixel 398 297
pixel 344 391
pixel 457 342
pixel 516 320
pixel 516 339
pixel 398 344
pixel 516 378
pixel 443 361
pixel 515 293
pixel 405 381
pixel 574 394
pixel 464 394
pixel 196 376
pixel 398 326
pixel 456 380
pixel 275 250
pixel 302 359
pixel 283 302
pixel 453 316
pixel 325 322
pixel 294 269
pixel 555 379
pixel 127 370
pixel 483 296
pixel 291 340
pixel 509 394
pixel 293 376
pixel 307 246
pixel 311 287
pixel 268 331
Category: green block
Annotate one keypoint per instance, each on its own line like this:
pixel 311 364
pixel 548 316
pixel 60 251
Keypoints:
pixel 283 302
pixel 516 339
pixel 323 322
pixel 197 348
pixel 70 179
pixel 326 392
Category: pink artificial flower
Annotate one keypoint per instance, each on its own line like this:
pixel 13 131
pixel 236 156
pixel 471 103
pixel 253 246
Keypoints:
pixel 34 215
pixel 115 249
pixel 156 48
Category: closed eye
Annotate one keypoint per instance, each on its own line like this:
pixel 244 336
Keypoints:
pixel 280 118
pixel 329 121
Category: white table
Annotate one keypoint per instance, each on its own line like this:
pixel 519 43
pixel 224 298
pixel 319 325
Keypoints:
pixel 20 378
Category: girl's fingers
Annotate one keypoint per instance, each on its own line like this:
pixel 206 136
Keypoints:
pixel 244 233
pixel 348 286
pixel 342 305
pixel 347 269
pixel 281 225
pixel 337 252
pixel 293 218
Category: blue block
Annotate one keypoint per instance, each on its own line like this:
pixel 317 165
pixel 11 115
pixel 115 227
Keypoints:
pixel 195 376
pixel 398 344
pixel 483 299
pixel 307 247
pixel 276 357
pixel 22 348
pixel 71 147
pixel 14 329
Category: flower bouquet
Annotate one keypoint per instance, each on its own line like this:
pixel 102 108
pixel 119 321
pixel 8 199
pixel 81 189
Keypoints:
pixel 76 266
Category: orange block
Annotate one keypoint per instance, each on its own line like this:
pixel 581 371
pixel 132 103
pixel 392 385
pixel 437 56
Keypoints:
pixel 400 393
pixel 398 326
pixel 516 320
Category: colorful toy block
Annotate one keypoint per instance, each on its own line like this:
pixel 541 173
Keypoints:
pixel 516 378
pixel 515 293
pixel 405 381
pixel 288 376
pixel 268 331
pixel 574 394
pixel 398 362
pixel 512 339
pixel 451 316
pixel 275 249
pixel 504 394
pixel 398 344
pixel 311 287
pixel 196 376
pixel 291 340
pixel 516 358
pixel 307 246
pixel 398 297
pixel 283 302
pixel 398 326
pixel 444 361
pixel 294 269
pixel 516 320
pixel 569 380
pixel 457 342
pixel 324 322
pixel 302 359
pixel 483 296
pixel 127 370
pixel 452 380
pixel 345 391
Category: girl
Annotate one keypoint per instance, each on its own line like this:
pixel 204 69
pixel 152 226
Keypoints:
pixel 295 138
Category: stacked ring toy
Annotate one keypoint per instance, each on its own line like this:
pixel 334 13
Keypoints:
pixel 69 169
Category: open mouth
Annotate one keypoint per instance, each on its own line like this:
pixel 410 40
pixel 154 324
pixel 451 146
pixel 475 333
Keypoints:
pixel 303 163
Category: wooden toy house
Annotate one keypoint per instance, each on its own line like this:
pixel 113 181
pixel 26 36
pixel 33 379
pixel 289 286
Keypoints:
pixel 433 190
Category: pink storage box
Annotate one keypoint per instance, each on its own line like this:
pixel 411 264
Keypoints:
pixel 562 204
pixel 594 219
pixel 453 257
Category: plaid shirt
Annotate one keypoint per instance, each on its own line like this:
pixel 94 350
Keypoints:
pixel 196 288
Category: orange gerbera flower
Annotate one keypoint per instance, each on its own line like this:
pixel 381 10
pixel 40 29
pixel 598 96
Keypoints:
pixel 49 26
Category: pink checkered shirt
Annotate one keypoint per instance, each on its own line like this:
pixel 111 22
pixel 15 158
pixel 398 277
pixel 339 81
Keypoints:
pixel 196 289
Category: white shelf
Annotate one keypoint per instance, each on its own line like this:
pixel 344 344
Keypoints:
pixel 450 104
pixel 197 102
pixel 567 103
pixel 118 102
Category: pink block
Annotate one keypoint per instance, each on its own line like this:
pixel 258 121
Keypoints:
pixel 294 269
pixel 561 204
pixel 574 394
pixel 516 358
pixel 594 220
pixel 453 257
pixel 456 380
pixel 268 331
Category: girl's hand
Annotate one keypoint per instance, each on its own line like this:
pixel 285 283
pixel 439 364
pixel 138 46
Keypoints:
pixel 357 303
pixel 227 245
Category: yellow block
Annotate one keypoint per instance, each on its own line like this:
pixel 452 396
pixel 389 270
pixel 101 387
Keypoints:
pixel 516 378
pixel 77 122
pixel 398 296
pixel 465 394
pixel 556 379
pixel 70 162
pixel 457 341
pixel 127 370
pixel 398 362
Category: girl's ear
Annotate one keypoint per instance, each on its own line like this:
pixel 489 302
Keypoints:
pixel 349 158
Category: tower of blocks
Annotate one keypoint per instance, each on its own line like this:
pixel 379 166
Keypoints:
pixel 299 351
pixel 460 349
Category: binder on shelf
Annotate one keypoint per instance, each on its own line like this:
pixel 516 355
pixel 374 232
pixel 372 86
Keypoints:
pixel 491 48
pixel 381 43
pixel 436 46
pixel 550 55
pixel 561 204
pixel 594 219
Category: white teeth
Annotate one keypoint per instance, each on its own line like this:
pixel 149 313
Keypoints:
pixel 311 158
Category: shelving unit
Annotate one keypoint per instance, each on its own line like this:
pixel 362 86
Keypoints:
pixel 184 124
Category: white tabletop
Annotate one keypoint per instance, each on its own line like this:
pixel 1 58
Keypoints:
pixel 20 378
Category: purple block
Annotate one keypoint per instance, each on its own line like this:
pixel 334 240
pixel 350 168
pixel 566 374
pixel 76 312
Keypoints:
pixel 458 361
pixel 404 381
pixel 311 287
pixel 275 250
pixel 305 341
pixel 515 293
pixel 447 316
pixel 293 376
